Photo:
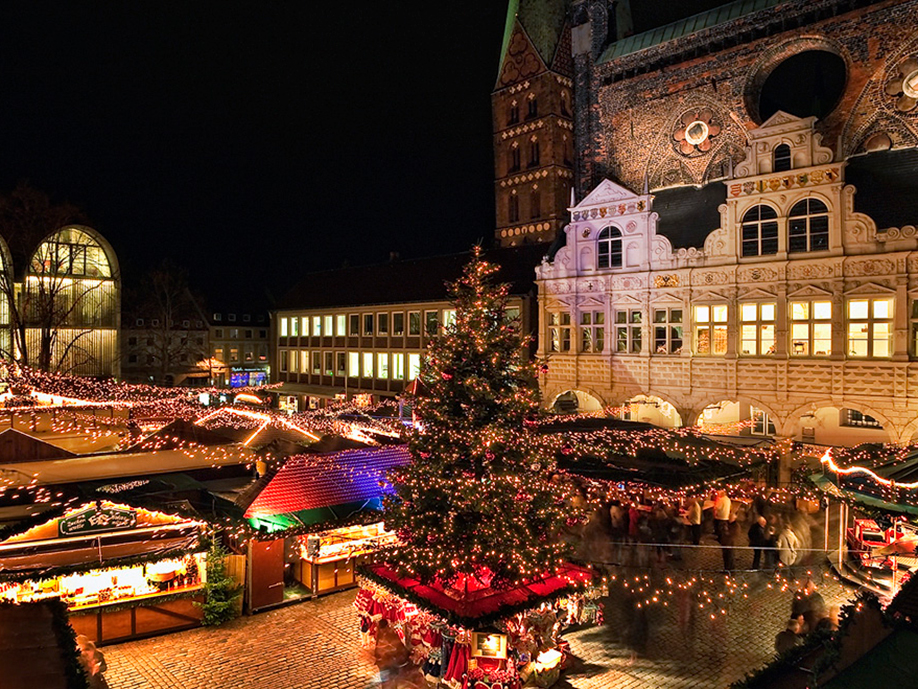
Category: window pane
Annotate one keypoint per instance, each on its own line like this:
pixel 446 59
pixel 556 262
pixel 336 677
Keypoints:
pixel 720 338
pixel 800 339
pixel 800 310
pixel 340 363
pixel 304 361
pixel 768 312
pixel 368 364
pixel 702 314
pixel 858 308
pixel 368 324
pixel 720 314
pixel 882 308
pixel 768 340
pixel 283 328
pixel 621 317
pixel 621 339
pixel 353 364
pixel 675 316
pixel 329 363
pixel 382 323
pixel 635 316
pixel 703 340
pixel 659 316
pixel 398 324
pixel 748 339
pixel 382 365
pixel 340 323
pixel 354 325
pixel 748 312
pixel 328 326
pixel 822 339
pixel 414 366
pixel 822 310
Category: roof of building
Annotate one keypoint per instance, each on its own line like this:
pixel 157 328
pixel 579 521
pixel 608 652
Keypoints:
pixel 881 176
pixel 685 27
pixel 414 280
pixel 689 214
pixel 307 489
pixel 543 21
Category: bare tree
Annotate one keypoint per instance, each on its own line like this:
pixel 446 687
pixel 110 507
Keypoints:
pixel 58 289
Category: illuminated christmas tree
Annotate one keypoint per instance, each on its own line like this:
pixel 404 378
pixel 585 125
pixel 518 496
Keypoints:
pixel 478 500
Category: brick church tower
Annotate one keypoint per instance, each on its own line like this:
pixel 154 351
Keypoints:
pixel 532 114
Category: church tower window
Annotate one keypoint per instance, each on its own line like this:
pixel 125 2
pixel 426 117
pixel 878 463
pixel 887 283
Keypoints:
pixel 535 203
pixel 534 152
pixel 514 207
pixel 514 157
pixel 533 107
pixel 513 113
pixel 808 226
pixel 760 231
pixel 609 248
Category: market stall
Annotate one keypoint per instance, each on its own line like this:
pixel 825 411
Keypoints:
pixel 476 635
pixel 123 572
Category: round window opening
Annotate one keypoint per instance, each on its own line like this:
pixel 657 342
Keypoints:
pixel 807 84
pixel 696 132
pixel 910 84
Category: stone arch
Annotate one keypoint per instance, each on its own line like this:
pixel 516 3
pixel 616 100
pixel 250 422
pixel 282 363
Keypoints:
pixel 777 54
pixel 734 411
pixel 654 409
pixel 576 400
pixel 824 418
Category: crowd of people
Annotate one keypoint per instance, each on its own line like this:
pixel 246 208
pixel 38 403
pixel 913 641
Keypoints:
pixel 809 613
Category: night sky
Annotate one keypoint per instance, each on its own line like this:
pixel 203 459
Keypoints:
pixel 251 142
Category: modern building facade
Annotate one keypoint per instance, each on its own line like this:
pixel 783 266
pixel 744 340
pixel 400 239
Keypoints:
pixel 745 251
pixel 239 348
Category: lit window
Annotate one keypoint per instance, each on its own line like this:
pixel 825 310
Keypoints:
pixel 340 325
pixel 353 364
pixel 811 328
pixel 382 365
pixel 761 422
pixel 304 361
pixel 449 317
pixel 852 417
pixel 316 326
pixel 592 331
pixel 757 329
pixel 294 327
pixel 808 226
pixel 293 361
pixel 760 231
pixel 667 331
pixel 711 330
pixel 628 331
pixel 328 326
pixel 283 361
pixel 283 328
pixel 234 354
pixel 398 324
pixel 559 331
pixel 340 363
pixel 368 364
pixel 398 366
pixel 218 353
pixel 414 366
pixel 609 248
pixel 329 358
pixel 870 327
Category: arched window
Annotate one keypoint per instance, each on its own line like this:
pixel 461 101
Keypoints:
pixel 535 204
pixel 514 158
pixel 760 231
pixel 533 107
pixel 782 158
pixel 609 249
pixel 513 113
pixel 808 226
pixel 514 207
pixel 534 152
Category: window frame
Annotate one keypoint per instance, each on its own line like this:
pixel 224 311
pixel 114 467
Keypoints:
pixel 807 218
pixel 668 324
pixel 607 240
pixel 592 331
pixel 759 326
pixel 759 224
pixel 714 327
pixel 628 324
pixel 871 321
pixel 559 331
pixel 811 322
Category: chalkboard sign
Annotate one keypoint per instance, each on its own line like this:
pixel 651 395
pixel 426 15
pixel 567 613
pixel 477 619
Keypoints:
pixel 96 519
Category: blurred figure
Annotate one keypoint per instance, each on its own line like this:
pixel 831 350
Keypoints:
pixel 790 637
pixel 758 539
pixel 694 517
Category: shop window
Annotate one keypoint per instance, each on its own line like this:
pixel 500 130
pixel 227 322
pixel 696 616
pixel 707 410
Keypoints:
pixel 761 423
pixel 852 417
pixel 628 331
pixel 414 366
pixel 414 322
pixel 398 324
pixel 398 366
pixel 353 325
pixel 811 328
pixel 431 323
pixel 760 231
pixel 382 365
pixel 592 331
pixel 808 226
pixel 609 248
pixel 757 329
pixel 667 331
pixel 353 364
pixel 711 330
pixel 559 331
pixel 870 324
pixel 368 324
pixel 368 364
pixel 782 158
pixel 316 363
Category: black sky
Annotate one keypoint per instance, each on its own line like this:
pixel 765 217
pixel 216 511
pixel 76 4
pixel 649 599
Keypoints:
pixel 253 141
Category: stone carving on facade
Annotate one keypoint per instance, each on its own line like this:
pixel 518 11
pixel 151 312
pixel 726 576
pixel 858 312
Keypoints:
pixel 811 271
pixel 870 266
pixel 710 277
pixel 756 274
pixel 903 84
pixel 694 132
pixel 627 282
pixel 859 229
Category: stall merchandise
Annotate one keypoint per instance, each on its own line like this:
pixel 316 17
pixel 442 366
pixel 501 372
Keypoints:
pixel 328 559
pixel 514 642
pixel 122 572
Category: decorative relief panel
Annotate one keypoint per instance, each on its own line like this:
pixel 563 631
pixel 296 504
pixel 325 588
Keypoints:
pixel 756 274
pixel 710 278
pixel 872 266
pixel 810 271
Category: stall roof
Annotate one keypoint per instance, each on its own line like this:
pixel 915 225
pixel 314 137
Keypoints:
pixel 177 434
pixel 481 606
pixel 313 489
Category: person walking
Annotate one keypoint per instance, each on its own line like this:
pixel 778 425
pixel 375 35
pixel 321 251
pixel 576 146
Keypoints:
pixel 788 545
pixel 694 520
pixel 758 539
pixel 722 507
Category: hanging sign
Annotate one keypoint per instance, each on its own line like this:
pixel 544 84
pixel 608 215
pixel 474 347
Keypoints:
pixel 95 519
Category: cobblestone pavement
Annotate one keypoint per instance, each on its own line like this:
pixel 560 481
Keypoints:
pixel 315 644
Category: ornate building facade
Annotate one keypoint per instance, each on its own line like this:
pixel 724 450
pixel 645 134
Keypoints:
pixel 755 260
